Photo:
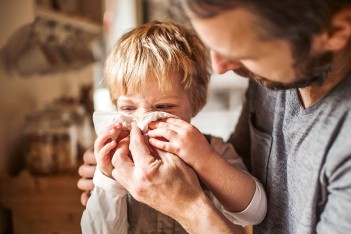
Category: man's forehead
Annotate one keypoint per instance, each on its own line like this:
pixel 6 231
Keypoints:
pixel 234 29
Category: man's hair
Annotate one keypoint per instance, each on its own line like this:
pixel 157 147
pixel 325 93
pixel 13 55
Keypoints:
pixel 293 20
pixel 160 50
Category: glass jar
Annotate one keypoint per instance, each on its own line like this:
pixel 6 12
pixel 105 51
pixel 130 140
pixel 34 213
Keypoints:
pixel 66 141
pixel 51 143
pixel 39 148
pixel 75 114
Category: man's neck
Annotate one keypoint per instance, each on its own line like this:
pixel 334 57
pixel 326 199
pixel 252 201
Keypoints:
pixel 341 67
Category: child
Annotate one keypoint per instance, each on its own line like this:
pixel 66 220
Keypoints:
pixel 163 67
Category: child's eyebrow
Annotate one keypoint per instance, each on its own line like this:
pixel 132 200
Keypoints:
pixel 168 97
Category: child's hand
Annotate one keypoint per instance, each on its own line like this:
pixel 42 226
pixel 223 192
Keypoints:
pixel 180 138
pixel 105 147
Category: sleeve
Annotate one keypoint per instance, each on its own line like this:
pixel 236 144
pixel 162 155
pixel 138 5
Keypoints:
pixel 334 205
pixel 106 210
pixel 256 210
pixel 335 217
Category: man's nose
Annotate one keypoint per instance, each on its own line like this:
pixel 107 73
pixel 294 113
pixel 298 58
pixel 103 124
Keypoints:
pixel 221 65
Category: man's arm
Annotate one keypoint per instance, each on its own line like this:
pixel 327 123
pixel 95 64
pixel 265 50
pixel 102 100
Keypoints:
pixel 334 206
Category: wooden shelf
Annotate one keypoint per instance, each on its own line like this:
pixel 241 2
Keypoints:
pixel 69 19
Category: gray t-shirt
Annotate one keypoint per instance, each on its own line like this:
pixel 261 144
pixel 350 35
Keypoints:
pixel 301 156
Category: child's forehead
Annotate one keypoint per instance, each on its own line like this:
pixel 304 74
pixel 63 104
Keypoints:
pixel 156 89
pixel 162 82
pixel 168 76
pixel 151 97
pixel 153 88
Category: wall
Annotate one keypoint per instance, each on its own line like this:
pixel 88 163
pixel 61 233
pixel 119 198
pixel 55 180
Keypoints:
pixel 222 110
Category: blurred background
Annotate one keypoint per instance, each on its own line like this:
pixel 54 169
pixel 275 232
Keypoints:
pixel 51 58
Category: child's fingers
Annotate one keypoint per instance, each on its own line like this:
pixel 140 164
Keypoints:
pixel 103 138
pixel 123 146
pixel 162 145
pixel 103 157
pixel 163 133
pixel 168 122
pixel 115 132
pixel 162 124
pixel 111 126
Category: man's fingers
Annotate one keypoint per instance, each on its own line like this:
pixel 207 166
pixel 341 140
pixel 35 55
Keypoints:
pixel 89 157
pixel 86 171
pixel 138 148
pixel 84 197
pixel 85 184
pixel 123 170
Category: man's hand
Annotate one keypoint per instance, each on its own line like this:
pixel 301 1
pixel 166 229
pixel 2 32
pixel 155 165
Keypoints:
pixel 86 171
pixel 168 185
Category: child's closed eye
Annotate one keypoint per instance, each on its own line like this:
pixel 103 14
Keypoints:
pixel 164 106
pixel 127 109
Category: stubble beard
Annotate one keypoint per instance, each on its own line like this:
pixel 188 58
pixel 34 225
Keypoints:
pixel 312 72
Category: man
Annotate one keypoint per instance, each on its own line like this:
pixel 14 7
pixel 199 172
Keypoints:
pixel 295 136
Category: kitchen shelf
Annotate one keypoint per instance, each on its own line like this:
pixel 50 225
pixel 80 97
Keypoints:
pixel 69 19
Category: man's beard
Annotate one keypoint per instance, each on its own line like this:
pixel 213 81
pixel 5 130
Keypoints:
pixel 314 71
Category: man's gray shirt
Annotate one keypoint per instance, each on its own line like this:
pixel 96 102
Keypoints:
pixel 301 156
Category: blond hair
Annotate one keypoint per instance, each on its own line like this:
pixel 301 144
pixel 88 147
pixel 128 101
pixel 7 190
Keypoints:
pixel 158 49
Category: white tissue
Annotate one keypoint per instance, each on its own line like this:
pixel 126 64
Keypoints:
pixel 103 119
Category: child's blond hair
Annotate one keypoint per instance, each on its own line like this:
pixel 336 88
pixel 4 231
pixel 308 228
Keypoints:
pixel 158 49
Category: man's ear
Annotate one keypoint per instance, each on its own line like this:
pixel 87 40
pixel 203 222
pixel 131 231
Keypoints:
pixel 339 33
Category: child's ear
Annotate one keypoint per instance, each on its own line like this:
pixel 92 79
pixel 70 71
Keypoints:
pixel 339 34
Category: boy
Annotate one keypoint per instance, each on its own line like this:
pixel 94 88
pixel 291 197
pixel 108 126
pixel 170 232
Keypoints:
pixel 163 67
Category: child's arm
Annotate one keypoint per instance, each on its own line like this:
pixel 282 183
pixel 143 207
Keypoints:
pixel 256 210
pixel 106 210
pixel 233 187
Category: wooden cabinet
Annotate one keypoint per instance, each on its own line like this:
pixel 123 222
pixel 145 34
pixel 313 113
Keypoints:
pixel 42 204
